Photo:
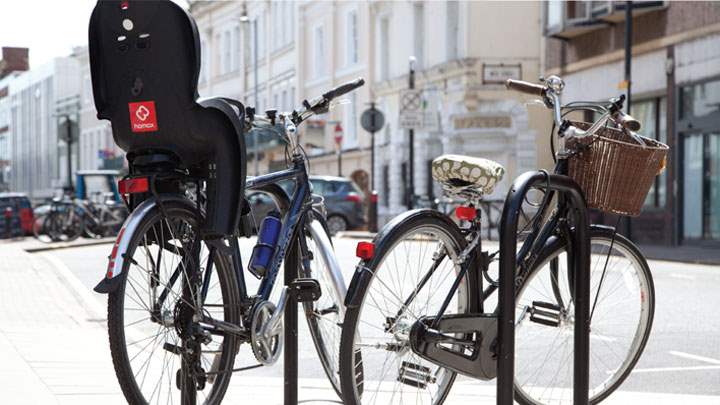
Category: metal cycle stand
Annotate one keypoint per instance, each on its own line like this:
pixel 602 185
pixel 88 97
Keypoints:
pixel 290 372
pixel 579 251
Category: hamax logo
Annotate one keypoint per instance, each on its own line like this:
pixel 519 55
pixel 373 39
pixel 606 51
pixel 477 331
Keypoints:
pixel 142 116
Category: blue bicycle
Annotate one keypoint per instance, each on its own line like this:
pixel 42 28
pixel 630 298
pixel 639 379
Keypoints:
pixel 179 309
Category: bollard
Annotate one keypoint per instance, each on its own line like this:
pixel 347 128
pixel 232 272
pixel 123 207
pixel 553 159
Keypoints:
pixel 372 212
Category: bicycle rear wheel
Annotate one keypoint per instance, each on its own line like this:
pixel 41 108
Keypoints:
pixel 622 300
pixel 170 281
pixel 412 271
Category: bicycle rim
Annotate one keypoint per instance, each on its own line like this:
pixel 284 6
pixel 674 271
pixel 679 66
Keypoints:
pixel 325 315
pixel 145 349
pixel 620 324
pixel 390 372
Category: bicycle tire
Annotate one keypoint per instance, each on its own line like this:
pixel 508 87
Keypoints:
pixel 352 375
pixel 133 391
pixel 319 312
pixel 599 237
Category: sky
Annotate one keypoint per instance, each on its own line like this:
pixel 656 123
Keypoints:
pixel 49 28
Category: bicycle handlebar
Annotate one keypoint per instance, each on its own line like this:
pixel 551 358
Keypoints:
pixel 344 88
pixel 525 87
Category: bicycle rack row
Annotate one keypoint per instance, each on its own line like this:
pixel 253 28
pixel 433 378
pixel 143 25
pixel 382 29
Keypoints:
pixel 579 252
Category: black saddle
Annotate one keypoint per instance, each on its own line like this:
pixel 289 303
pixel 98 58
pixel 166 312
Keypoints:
pixel 145 62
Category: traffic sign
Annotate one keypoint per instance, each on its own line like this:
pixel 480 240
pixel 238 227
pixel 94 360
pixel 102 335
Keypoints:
pixel 372 120
pixel 338 135
pixel 411 111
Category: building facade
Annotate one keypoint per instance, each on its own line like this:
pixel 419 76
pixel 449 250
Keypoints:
pixel 274 54
pixel 463 52
pixel 96 147
pixel 675 94
pixel 41 102
pixel 14 61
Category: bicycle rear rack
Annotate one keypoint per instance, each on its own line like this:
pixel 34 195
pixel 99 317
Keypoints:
pixel 579 251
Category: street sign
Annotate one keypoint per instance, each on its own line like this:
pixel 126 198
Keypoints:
pixel 372 120
pixel 419 110
pixel 338 135
pixel 411 111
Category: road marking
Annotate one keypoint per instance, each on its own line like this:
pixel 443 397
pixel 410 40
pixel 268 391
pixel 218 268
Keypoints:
pixel 695 357
pixel 661 369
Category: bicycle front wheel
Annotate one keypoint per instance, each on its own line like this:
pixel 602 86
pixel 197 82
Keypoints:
pixel 622 301
pixel 325 315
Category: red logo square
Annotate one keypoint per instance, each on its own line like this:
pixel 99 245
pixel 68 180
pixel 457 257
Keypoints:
pixel 142 116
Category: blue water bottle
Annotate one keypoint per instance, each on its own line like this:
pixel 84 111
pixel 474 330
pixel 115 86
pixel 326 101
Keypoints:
pixel 266 242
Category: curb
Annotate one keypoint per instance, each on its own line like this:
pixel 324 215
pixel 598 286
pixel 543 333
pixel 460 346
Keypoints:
pixel 70 245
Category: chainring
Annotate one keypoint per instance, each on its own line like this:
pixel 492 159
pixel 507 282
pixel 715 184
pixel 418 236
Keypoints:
pixel 265 346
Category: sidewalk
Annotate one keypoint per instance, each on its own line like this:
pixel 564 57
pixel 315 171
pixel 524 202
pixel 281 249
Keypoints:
pixel 53 344
pixel 54 349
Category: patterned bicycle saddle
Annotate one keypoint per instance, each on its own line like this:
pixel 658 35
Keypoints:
pixel 457 171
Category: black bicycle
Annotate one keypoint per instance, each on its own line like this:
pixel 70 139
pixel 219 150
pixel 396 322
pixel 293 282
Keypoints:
pixel 409 301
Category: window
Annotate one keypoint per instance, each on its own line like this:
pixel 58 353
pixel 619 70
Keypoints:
pixel 226 53
pixel 318 52
pixel 419 37
pixel 285 104
pixel 350 123
pixel 453 29
pixel 653 119
pixel 236 48
pixel 384 48
pixel 205 61
pixel 351 38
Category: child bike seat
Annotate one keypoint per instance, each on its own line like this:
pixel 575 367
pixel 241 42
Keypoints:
pixel 145 63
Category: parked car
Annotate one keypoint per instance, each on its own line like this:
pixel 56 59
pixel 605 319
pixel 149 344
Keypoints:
pixel 344 202
pixel 15 208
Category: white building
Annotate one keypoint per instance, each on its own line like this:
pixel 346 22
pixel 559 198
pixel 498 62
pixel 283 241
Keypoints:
pixel 39 162
pixel 464 51
pixel 97 149
pixel 297 42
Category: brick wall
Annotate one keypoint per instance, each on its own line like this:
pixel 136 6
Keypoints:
pixel 676 18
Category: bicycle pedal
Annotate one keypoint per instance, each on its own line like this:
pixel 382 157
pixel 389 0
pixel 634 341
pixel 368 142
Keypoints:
pixel 415 375
pixel 545 313
pixel 305 289
pixel 174 349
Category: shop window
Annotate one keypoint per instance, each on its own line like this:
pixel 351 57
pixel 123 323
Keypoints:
pixel 652 115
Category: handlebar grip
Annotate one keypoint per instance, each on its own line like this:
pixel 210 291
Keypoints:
pixel 525 87
pixel 629 123
pixel 344 88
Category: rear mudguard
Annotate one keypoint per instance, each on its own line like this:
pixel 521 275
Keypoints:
pixel 111 281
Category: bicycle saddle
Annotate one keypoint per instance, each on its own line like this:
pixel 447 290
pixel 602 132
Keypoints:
pixel 457 171
pixel 145 63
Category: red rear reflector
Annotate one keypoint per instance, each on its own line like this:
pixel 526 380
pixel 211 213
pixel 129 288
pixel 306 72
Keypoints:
pixel 353 197
pixel 466 213
pixel 113 254
pixel 131 186
pixel 124 5
pixel 365 250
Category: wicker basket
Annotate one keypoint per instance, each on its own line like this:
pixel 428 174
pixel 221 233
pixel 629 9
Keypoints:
pixel 614 170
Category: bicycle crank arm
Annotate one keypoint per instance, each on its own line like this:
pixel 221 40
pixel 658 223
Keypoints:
pixel 464 343
pixel 273 326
